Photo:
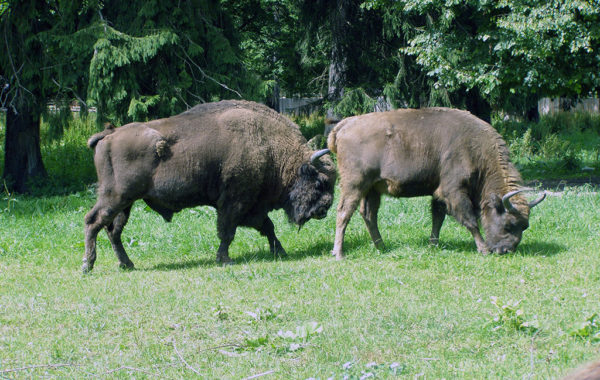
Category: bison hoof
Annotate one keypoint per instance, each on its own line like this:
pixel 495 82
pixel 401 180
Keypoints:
pixel 338 255
pixel 434 241
pixel 484 251
pixel 224 260
pixel 86 268
pixel 126 266
pixel 281 253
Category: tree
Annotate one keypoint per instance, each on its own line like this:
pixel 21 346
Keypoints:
pixel 156 58
pixel 45 44
pixel 21 23
pixel 507 53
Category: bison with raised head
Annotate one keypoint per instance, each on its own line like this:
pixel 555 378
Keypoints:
pixel 450 154
pixel 239 157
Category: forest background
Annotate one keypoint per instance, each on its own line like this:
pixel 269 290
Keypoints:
pixel 148 59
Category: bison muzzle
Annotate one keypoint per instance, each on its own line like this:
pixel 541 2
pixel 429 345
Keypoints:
pixel 239 157
pixel 450 154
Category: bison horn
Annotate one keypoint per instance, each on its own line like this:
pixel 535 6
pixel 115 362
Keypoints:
pixel 506 200
pixel 537 201
pixel 315 156
pixel 509 206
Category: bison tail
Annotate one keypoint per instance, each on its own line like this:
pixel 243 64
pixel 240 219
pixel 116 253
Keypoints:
pixel 331 139
pixel 108 129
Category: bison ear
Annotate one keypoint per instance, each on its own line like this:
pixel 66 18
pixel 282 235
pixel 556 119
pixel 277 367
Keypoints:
pixel 307 170
pixel 494 201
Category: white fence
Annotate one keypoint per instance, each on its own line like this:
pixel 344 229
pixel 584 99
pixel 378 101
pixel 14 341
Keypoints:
pixel 550 106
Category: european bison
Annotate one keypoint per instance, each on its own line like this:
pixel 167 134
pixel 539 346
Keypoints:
pixel 450 154
pixel 240 157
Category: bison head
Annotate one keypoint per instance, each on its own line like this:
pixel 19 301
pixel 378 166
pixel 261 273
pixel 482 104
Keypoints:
pixel 505 221
pixel 311 194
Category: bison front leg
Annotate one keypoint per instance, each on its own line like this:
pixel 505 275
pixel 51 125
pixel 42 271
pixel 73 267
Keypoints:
pixel 369 206
pixel 462 209
pixel 226 227
pixel 114 231
pixel 438 214
pixel 268 229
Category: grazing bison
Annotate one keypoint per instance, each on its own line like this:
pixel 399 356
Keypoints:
pixel 450 154
pixel 240 157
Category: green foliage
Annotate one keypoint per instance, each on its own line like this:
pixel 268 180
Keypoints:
pixel 67 159
pixel 311 125
pixel 513 52
pixel 510 316
pixel 354 102
pixel 285 341
pixel 140 109
pixel 588 330
pixel 557 145
pixel 155 59
pixel 114 79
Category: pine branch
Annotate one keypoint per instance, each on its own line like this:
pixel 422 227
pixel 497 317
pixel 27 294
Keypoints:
pixel 204 74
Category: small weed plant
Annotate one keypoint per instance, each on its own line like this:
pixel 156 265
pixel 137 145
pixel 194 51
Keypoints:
pixel 588 329
pixel 510 316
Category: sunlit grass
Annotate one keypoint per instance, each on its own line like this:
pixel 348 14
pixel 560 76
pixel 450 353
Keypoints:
pixel 414 310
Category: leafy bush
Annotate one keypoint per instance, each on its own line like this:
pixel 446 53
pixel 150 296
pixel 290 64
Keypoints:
pixel 68 160
pixel 355 102
pixel 311 125
pixel 558 145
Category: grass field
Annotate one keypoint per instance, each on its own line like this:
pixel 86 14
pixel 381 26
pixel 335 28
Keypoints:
pixel 413 311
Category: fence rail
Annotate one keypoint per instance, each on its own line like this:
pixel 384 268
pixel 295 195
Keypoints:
pixel 550 106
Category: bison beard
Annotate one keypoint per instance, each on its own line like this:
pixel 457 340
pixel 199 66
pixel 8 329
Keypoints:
pixel 240 157
pixel 457 158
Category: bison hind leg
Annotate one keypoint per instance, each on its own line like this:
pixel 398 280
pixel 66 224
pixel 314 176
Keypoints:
pixel 369 206
pixel 114 230
pixel 438 214
pixel 100 216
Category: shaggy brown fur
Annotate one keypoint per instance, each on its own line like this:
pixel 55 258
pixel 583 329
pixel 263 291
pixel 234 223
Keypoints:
pixel 590 371
pixel 450 154
pixel 240 157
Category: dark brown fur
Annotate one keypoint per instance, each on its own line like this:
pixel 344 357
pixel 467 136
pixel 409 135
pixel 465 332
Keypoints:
pixel 240 157
pixel 450 154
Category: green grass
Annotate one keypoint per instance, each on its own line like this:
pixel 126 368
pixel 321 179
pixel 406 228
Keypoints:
pixel 424 311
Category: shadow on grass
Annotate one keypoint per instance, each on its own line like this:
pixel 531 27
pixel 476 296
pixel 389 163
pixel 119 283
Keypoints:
pixel 352 245
pixel 318 249
pixel 530 248
pixel 187 264
pixel 540 248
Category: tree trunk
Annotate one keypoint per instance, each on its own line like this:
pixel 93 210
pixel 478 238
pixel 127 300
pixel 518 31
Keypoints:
pixel 22 154
pixel 477 105
pixel 273 99
pixel 338 66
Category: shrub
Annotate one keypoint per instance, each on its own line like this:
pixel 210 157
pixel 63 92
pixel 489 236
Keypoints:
pixel 355 102
pixel 311 125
